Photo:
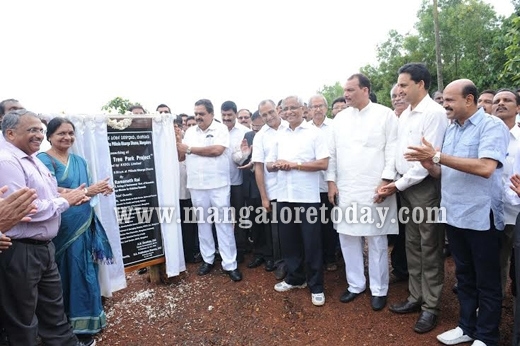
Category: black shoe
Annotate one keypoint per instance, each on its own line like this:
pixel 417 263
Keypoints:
pixel 405 307
pixel 455 288
pixel 256 262
pixel 197 258
pixel 3 338
pixel 142 271
pixel 426 322
pixel 234 274
pixel 86 341
pixel 269 266
pixel 348 296
pixel 280 271
pixel 378 303
pixel 204 268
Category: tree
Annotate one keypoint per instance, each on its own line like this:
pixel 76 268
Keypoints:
pixel 511 69
pixel 118 105
pixel 470 46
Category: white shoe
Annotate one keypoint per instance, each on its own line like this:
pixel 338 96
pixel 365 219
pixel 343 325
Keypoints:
pixel 284 286
pixel 454 337
pixel 318 299
pixel 478 343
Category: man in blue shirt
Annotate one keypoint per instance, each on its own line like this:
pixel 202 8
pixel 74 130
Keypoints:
pixel 470 167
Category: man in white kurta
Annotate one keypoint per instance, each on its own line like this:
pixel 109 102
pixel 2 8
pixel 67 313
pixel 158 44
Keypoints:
pixel 362 147
pixel 207 163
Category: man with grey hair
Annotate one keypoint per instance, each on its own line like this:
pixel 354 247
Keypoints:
pixel 318 107
pixel 298 168
pixel 31 301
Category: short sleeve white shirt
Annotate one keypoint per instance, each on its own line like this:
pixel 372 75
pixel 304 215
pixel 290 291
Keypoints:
pixel 207 172
pixel 304 144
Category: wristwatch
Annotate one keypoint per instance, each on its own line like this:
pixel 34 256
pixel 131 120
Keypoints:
pixel 437 157
pixel 188 151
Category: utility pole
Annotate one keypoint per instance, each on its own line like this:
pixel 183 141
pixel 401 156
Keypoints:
pixel 440 81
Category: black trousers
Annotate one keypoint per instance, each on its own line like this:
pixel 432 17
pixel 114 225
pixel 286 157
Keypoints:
pixel 190 238
pixel 260 230
pixel 516 244
pixel 301 245
pixel 477 262
pixel 237 202
pixel 329 236
pixel 31 300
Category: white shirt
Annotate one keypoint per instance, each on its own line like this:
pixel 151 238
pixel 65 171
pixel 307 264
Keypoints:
pixel 511 199
pixel 207 172
pixel 327 131
pixel 263 145
pixel 362 153
pixel 236 135
pixel 303 144
pixel 428 120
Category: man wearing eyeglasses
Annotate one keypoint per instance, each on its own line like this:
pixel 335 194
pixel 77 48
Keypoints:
pixel 338 105
pixel 362 148
pixel 301 153
pixel 31 301
pixel 318 107
pixel 244 118
pixel 207 164
pixel 264 144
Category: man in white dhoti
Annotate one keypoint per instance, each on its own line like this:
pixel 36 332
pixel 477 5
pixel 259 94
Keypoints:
pixel 362 147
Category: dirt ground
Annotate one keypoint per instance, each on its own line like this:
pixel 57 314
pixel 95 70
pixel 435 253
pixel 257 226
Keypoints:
pixel 213 310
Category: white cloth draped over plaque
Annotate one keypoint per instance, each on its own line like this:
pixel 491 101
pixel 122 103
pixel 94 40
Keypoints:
pixel 91 144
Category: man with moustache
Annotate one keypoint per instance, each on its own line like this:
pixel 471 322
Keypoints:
pixel 506 105
pixel 244 117
pixel 207 164
pixel 260 229
pixel 362 146
pixel 419 191
pixel 264 144
pixel 398 253
pixel 297 168
pixel 31 301
pixel 228 110
pixel 470 168
pixel 318 107
pixel 485 100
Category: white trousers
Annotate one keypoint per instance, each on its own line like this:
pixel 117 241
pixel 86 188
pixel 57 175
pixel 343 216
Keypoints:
pixel 378 272
pixel 218 200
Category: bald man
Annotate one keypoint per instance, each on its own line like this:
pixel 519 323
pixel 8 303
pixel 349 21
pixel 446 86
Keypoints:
pixel 470 167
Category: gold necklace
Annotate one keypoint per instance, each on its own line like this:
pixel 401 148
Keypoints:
pixel 61 158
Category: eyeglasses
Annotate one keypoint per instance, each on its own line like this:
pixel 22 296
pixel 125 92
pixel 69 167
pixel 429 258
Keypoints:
pixel 316 107
pixel 243 118
pixel 35 130
pixel 291 108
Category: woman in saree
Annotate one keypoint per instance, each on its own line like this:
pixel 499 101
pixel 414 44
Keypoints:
pixel 81 242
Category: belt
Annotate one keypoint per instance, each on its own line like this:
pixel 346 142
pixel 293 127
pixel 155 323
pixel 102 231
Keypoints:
pixel 31 241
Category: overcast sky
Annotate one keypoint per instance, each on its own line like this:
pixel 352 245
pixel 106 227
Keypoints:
pixel 60 56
